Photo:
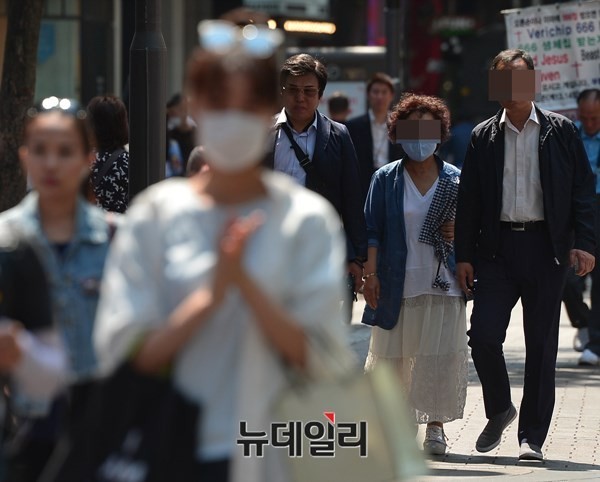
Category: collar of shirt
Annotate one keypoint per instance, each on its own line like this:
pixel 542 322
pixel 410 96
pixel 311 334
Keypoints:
pixel 532 117
pixel 90 223
pixel 374 122
pixel 282 119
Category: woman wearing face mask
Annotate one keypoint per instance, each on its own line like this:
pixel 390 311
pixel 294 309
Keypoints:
pixel 72 237
pixel 414 302
pixel 227 275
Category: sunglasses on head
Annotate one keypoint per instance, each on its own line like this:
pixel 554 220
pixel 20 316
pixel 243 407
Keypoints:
pixel 53 103
pixel 221 37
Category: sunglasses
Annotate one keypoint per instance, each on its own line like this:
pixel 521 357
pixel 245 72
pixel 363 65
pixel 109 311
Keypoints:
pixel 309 92
pixel 53 103
pixel 221 37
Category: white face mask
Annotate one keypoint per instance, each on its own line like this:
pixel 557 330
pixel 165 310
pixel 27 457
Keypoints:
pixel 419 150
pixel 233 140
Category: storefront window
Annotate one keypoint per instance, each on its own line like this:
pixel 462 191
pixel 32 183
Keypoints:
pixel 58 71
pixel 72 7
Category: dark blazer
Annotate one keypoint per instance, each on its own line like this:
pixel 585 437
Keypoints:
pixel 339 180
pixel 360 131
pixel 567 187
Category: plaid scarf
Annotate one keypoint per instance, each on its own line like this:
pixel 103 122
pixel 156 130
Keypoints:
pixel 442 209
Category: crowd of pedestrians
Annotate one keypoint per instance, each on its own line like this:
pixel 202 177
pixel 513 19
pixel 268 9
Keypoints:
pixel 222 279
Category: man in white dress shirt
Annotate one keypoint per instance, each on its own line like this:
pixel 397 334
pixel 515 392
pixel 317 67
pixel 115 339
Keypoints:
pixel 329 165
pixel 369 132
pixel 525 213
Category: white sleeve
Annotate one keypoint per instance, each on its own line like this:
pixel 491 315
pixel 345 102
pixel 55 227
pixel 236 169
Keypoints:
pixel 319 272
pixel 130 298
pixel 42 370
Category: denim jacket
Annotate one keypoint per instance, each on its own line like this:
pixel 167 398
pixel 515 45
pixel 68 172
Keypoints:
pixel 384 214
pixel 74 276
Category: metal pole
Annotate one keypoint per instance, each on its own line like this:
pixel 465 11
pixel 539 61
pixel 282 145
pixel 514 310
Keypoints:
pixel 395 33
pixel 147 98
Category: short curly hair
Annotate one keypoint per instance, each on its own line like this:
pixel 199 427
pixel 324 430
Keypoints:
pixel 410 103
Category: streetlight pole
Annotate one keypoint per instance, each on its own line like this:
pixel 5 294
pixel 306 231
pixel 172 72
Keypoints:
pixel 147 98
pixel 395 34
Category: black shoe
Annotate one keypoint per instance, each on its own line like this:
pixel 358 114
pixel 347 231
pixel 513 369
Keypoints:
pixel 492 433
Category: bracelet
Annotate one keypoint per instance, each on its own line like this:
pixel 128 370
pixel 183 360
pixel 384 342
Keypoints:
pixel 367 276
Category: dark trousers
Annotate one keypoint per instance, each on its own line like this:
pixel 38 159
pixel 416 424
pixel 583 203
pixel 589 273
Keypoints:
pixel 523 268
pixel 594 320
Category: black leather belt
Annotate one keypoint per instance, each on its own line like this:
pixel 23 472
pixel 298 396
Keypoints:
pixel 528 226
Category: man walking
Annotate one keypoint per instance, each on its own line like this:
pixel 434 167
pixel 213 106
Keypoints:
pixel 318 152
pixel 339 107
pixel 525 213
pixel 369 131
pixel 588 112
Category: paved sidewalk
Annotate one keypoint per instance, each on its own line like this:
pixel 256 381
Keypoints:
pixel 572 449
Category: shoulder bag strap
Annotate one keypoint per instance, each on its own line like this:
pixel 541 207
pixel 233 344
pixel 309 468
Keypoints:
pixel 305 162
pixel 107 165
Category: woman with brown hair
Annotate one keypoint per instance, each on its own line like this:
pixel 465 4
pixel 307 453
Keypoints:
pixel 110 171
pixel 414 302
pixel 227 275
pixel 71 239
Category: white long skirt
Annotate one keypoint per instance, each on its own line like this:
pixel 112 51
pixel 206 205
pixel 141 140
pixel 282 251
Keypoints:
pixel 428 348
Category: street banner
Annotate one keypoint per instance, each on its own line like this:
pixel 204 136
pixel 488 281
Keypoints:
pixel 564 41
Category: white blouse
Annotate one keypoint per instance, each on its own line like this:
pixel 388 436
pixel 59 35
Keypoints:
pixel 166 248
pixel 421 262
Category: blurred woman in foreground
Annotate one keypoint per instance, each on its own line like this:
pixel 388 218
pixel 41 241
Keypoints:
pixel 227 275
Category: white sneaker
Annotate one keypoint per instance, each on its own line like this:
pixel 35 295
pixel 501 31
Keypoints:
pixel 589 358
pixel 435 441
pixel 581 339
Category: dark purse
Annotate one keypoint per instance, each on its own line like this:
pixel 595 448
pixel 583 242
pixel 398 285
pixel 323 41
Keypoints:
pixel 136 428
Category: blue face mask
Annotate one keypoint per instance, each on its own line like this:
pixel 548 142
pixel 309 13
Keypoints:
pixel 419 150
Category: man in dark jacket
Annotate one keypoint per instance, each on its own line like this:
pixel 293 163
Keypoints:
pixel 329 164
pixel 369 131
pixel 525 213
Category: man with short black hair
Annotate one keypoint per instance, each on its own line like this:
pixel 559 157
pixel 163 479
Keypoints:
pixel 369 131
pixel 525 213
pixel 339 107
pixel 318 152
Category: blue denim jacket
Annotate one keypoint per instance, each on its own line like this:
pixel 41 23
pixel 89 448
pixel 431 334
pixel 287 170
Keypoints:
pixel 384 213
pixel 74 276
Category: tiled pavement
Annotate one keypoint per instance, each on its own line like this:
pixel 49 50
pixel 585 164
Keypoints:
pixel 572 449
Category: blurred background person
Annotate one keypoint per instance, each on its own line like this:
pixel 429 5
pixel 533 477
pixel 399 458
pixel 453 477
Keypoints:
pixel 588 114
pixel 196 161
pixel 455 148
pixel 72 239
pixel 180 126
pixel 205 274
pixel 369 132
pixel 33 365
pixel 174 158
pixel 339 107
pixel 110 170
pixel 414 302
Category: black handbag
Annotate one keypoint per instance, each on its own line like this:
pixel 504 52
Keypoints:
pixel 136 428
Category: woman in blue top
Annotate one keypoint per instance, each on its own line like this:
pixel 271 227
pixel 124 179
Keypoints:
pixel 72 239
pixel 413 299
